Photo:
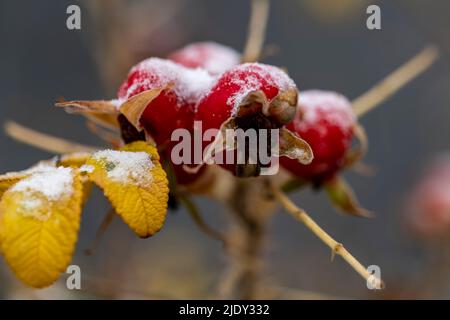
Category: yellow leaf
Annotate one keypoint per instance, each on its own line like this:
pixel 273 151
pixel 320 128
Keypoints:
pixel 135 183
pixel 74 160
pixel 39 222
pixel 9 179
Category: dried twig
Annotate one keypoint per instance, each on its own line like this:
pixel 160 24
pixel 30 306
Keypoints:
pixel 338 248
pixel 44 141
pixel 245 241
pixel 256 30
pixel 395 81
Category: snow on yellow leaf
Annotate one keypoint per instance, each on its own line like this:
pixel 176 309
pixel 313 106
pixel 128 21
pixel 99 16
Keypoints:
pixel 9 179
pixel 39 222
pixel 135 183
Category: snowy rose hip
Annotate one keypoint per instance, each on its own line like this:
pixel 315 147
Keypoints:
pixel 326 121
pixel 210 56
pixel 254 96
pixel 172 93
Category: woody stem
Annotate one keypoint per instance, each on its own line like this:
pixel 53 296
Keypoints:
pixel 395 81
pixel 336 247
pixel 245 243
pixel 256 30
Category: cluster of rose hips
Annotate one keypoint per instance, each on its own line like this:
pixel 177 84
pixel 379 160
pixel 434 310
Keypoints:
pixel 206 82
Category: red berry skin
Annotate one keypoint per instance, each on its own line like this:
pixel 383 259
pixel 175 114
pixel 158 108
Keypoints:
pixel 227 98
pixel 174 107
pixel 326 121
pixel 213 57
pixel 254 96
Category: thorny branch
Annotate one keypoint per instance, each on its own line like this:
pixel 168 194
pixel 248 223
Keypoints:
pixel 336 247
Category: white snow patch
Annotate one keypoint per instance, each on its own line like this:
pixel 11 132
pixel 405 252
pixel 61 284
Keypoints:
pixel 190 85
pixel 53 183
pixel 127 167
pixel 212 56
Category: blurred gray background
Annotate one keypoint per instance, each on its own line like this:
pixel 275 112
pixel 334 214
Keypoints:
pixel 324 44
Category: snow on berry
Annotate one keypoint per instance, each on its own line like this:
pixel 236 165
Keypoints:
pixel 171 107
pixel 253 96
pixel 325 120
pixel 213 57
pixel 189 85
pixel 264 89
pixel 126 167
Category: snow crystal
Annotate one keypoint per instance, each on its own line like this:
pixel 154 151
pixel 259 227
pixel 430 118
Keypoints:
pixel 53 183
pixel 127 167
pixel 190 85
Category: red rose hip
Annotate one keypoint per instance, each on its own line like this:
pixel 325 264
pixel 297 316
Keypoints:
pixel 254 96
pixel 213 57
pixel 325 120
pixel 176 91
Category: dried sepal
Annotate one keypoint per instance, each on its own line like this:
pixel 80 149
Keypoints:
pixel 89 106
pixel 356 154
pixel 134 107
pixel 221 143
pixel 294 147
pixel 343 198
pixel 293 184
pixel 103 111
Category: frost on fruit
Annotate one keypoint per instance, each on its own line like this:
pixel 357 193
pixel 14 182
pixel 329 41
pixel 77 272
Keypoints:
pixel 189 85
pixel 136 185
pixel 325 120
pixel 39 222
pixel 253 96
pixel 211 56
pixel 253 77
